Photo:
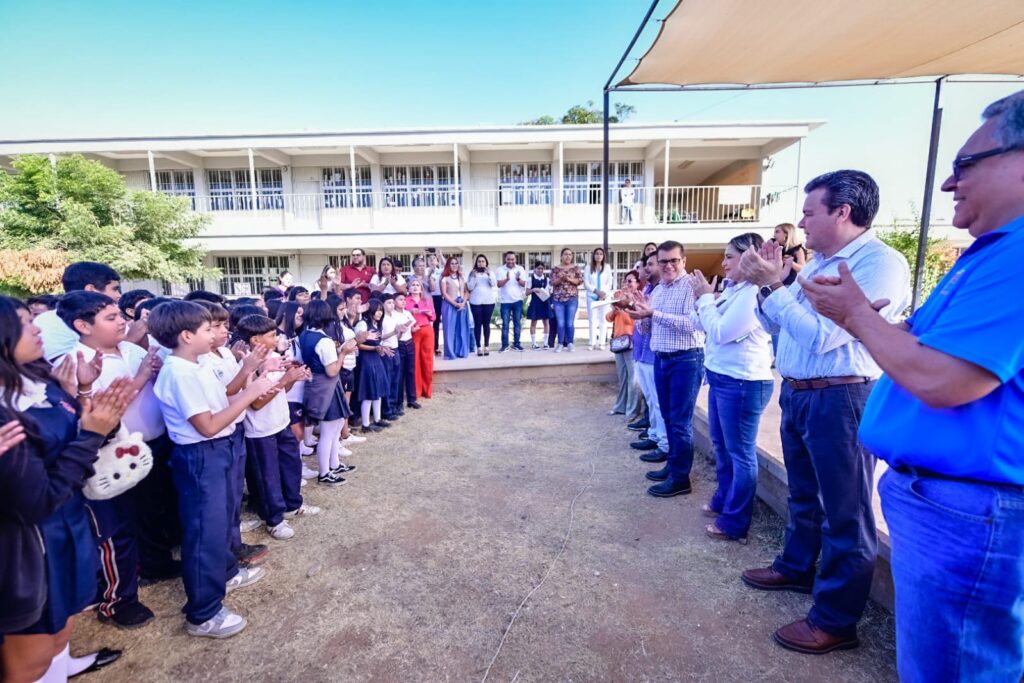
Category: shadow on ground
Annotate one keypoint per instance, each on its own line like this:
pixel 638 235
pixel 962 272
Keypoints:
pixel 415 567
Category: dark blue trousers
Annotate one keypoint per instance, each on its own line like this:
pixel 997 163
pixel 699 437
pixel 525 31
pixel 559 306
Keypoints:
pixel 678 379
pixel 236 485
pixel 277 470
pixel 118 582
pixel 407 385
pixel 831 482
pixel 393 366
pixel 157 505
pixel 515 312
pixel 204 507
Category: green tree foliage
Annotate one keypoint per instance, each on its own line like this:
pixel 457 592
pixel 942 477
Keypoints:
pixel 586 114
pixel 82 209
pixel 939 258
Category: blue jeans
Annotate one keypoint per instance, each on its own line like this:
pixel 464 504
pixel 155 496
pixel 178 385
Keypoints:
pixel 678 381
pixel 831 482
pixel 514 311
pixel 958 566
pixel 565 314
pixel 734 413
pixel 200 474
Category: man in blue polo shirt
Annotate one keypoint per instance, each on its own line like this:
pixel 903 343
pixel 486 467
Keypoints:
pixel 948 418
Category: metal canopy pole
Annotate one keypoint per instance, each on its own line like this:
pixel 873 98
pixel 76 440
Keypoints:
pixel 604 179
pixel 926 203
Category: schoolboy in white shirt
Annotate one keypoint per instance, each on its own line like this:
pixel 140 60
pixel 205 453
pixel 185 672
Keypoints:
pixel 407 354
pixel 200 419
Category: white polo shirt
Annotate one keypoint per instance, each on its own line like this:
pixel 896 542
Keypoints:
pixel 403 318
pixel 224 367
pixel 271 418
pixel 143 413
pixel 387 325
pixel 512 291
pixel 185 389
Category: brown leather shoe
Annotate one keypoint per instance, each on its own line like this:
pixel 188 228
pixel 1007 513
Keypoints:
pixel 803 636
pixel 767 579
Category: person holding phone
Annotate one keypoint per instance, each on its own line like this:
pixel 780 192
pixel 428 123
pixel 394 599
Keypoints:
pixel 482 285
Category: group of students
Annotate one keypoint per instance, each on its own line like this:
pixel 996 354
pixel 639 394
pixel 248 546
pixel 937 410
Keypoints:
pixel 211 403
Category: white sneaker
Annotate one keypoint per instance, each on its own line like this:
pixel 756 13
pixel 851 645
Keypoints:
pixel 305 450
pixel 303 511
pixel 570 348
pixel 248 525
pixel 246 576
pixel 281 532
pixel 353 438
pixel 302 482
pixel 342 452
pixel 558 348
pixel 224 624
pixel 308 473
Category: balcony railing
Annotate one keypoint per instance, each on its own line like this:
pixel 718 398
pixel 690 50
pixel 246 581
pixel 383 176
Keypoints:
pixel 438 207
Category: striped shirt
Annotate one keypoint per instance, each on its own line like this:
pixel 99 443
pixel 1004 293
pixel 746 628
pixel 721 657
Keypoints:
pixel 672 328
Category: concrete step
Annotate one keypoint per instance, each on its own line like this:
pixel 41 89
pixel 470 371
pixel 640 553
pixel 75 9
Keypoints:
pixel 582 365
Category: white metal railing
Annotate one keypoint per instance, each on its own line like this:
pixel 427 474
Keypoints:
pixel 540 205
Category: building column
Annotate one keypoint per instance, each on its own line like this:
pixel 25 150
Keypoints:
pixel 252 180
pixel 152 170
pixel 664 198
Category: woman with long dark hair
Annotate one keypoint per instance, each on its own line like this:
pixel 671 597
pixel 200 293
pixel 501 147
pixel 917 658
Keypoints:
pixel 597 279
pixel 373 376
pixel 458 321
pixel 48 553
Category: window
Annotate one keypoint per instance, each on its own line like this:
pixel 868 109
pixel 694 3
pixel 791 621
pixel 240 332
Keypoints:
pixel 430 185
pixel 181 288
pixel 623 261
pixel 230 190
pixel 520 184
pixel 581 183
pixel 249 275
pixel 338 261
pixel 336 186
pixel 177 184
pixel 581 258
pixel 534 256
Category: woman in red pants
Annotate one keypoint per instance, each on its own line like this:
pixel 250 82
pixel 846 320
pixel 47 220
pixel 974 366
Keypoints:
pixel 422 309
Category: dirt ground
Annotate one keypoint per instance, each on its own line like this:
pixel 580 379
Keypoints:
pixel 415 567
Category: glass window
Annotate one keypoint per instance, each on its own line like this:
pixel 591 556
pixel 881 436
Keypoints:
pixel 534 256
pixel 423 185
pixel 177 184
pixel 520 184
pixel 623 261
pixel 581 183
pixel 181 288
pixel 249 275
pixel 336 186
pixel 230 189
pixel 341 260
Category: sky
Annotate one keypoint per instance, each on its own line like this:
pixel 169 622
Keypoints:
pixel 116 68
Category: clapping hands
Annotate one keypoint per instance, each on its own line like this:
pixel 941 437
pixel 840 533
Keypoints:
pixel 700 285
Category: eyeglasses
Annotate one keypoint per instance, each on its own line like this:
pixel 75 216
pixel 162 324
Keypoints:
pixel 669 262
pixel 960 163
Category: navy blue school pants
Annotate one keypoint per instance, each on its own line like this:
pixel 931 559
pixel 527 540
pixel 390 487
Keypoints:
pixel 393 366
pixel 407 383
pixel 236 485
pixel 277 468
pixel 157 508
pixel 200 473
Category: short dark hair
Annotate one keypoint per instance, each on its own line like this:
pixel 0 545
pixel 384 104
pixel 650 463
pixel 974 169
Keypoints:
pixel 48 300
pixel 218 314
pixel 132 297
pixel 252 326
pixel 205 295
pixel 652 255
pixel 271 294
pixel 149 304
pixel 274 305
pixel 386 297
pixel 171 318
pixel 856 189
pixel 78 275
pixel 243 301
pixel 82 305
pixel 538 264
pixel 507 253
pixel 318 315
pixel 669 245
pixel 295 291
pixel 351 292
pixel 745 241
pixel 236 313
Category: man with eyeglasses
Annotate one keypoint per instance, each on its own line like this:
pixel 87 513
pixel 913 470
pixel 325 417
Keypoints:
pixel 357 275
pixel 678 365
pixel 948 418
pixel 827 376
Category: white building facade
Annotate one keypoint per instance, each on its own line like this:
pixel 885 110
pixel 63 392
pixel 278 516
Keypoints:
pixel 300 201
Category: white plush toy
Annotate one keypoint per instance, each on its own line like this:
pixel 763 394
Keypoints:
pixel 121 464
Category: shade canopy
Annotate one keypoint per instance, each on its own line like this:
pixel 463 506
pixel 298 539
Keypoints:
pixel 748 42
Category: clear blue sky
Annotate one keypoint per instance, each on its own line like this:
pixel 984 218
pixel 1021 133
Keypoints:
pixel 134 68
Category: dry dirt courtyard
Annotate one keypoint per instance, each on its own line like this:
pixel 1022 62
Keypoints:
pixel 415 567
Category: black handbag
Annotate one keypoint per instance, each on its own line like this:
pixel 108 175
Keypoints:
pixel 621 344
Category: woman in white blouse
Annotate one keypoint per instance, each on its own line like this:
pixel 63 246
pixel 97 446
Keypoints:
pixel 597 279
pixel 738 360
pixel 483 292
pixel 386 280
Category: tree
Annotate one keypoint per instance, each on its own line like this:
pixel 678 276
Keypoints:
pixel 586 114
pixel 82 211
pixel 939 258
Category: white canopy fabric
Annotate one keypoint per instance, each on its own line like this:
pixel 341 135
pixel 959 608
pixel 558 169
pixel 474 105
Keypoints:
pixel 747 42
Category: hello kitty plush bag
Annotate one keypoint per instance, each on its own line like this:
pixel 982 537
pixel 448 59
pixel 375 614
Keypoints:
pixel 121 464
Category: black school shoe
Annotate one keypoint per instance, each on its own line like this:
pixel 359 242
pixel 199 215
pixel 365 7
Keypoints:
pixel 644 445
pixel 654 456
pixel 251 555
pixel 383 424
pixel 671 487
pixel 128 615
pixel 104 657
pixel 415 405
pixel 638 426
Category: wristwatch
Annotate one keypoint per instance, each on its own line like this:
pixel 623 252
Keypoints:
pixel 766 290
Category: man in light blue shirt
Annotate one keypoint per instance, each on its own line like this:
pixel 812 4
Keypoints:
pixel 827 377
pixel 948 417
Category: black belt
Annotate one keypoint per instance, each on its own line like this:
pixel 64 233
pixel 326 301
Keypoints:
pixel 824 382
pixel 675 354
pixel 925 473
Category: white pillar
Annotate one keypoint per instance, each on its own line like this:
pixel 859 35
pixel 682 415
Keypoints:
pixel 796 193
pixel 252 180
pixel 458 191
pixel 152 171
pixel 352 175
pixel 559 174
pixel 664 198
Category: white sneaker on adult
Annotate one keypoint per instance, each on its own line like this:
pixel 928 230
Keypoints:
pixel 281 532
pixel 303 510
pixel 308 473
pixel 248 525
pixel 223 624
pixel 353 438
pixel 246 576
pixel 558 348
pixel 570 348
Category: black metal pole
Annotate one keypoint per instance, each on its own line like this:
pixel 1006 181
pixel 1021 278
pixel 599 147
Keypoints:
pixel 926 203
pixel 604 177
